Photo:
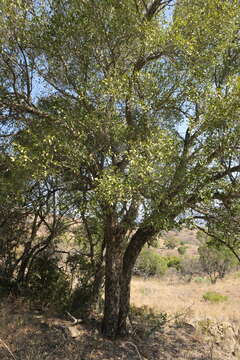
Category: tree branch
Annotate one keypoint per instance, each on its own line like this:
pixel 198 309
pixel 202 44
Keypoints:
pixel 221 241
pixel 142 61
pixel 155 7
pixel 226 172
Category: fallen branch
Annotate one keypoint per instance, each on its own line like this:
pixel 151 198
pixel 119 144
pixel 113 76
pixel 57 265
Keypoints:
pixel 75 320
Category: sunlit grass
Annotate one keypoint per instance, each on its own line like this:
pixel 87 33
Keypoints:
pixel 172 297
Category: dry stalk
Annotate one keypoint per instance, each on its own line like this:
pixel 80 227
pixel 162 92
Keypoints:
pixel 179 315
pixel 136 348
pixel 8 349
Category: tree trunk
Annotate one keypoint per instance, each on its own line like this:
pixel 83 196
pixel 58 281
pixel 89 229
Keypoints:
pixel 25 259
pixel 118 273
pixel 113 269
pixel 134 248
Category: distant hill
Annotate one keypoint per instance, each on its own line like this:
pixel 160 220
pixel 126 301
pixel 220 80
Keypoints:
pixel 185 237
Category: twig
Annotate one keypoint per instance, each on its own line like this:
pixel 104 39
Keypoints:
pixel 75 320
pixel 175 317
pixel 8 349
pixel 136 348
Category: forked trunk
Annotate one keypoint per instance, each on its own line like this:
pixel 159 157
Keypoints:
pixel 118 273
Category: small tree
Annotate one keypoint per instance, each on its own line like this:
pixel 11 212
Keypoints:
pixel 216 261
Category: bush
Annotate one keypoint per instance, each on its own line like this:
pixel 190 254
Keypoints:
pixel 200 280
pixel 173 262
pixel 182 250
pixel 48 284
pixel 149 263
pixel 89 280
pixel 214 297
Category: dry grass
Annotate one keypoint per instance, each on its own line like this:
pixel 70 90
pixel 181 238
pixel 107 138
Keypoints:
pixel 172 297
pixel 30 335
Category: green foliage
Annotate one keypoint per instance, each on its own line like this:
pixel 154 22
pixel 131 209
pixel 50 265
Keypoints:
pixel 81 299
pixel 86 267
pixel 182 250
pixel 155 242
pixel 223 225
pixel 200 280
pixel 173 262
pixel 149 263
pixel 214 297
pixel 216 259
pixel 48 285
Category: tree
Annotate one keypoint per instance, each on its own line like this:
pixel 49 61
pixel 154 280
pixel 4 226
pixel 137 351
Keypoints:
pixel 216 260
pixel 137 110
pixel 32 219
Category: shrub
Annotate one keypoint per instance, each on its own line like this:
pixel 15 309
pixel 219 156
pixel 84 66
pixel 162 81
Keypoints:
pixel 214 297
pixel 173 262
pixel 89 279
pixel 182 250
pixel 149 263
pixel 48 284
pixel 200 280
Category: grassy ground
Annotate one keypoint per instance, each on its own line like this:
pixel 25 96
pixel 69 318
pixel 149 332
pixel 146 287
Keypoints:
pixel 173 297
pixel 30 335
pixel 27 334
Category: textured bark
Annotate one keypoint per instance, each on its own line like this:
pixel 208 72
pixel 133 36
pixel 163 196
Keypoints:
pixel 97 284
pixel 25 260
pixel 113 238
pixel 113 269
pixel 134 248
pixel 118 272
pixel 156 6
